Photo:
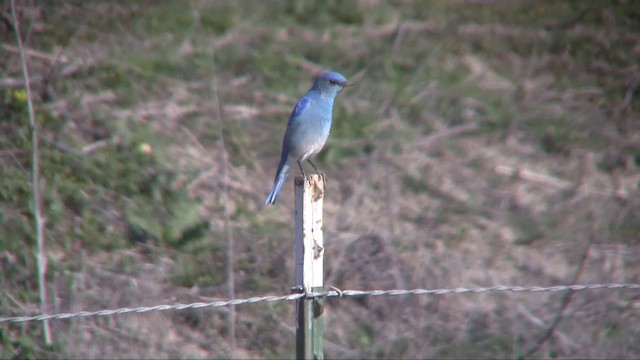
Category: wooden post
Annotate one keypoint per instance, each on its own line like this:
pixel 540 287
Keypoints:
pixel 309 192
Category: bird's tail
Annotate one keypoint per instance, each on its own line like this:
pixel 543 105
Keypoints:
pixel 281 176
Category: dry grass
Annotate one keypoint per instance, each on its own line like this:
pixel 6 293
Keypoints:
pixel 485 143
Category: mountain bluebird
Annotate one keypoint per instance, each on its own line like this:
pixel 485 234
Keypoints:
pixel 308 127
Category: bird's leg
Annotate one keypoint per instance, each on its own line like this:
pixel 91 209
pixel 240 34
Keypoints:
pixel 302 170
pixel 324 178
pixel 314 167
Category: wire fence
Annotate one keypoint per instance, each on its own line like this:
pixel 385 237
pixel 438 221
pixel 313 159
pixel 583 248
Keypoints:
pixel 332 293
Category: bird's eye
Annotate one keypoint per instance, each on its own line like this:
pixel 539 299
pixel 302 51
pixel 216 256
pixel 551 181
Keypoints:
pixel 333 82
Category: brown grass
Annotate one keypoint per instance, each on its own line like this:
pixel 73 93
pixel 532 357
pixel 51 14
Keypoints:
pixel 480 147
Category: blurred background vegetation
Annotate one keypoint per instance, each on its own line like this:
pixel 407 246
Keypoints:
pixel 486 142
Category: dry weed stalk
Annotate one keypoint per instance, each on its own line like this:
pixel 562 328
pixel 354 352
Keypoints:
pixel 227 220
pixel 35 178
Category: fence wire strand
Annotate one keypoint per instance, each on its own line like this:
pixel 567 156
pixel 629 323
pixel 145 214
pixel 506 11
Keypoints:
pixel 333 293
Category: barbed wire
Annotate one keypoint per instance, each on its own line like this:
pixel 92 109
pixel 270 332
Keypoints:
pixel 333 293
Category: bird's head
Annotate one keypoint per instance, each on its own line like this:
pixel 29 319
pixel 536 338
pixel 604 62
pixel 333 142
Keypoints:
pixel 331 83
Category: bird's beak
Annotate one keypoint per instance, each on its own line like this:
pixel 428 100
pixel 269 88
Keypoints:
pixel 346 83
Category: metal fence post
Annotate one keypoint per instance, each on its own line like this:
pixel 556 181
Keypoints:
pixel 309 256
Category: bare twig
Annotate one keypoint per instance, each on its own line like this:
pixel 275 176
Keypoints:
pixel 447 133
pixel 527 314
pixel 12 154
pixel 556 182
pixel 89 148
pixel 564 303
pixel 35 180
pixel 628 97
pixel 36 54
pixel 533 176
pixel 407 26
pixel 307 65
pixel 568 23
pixel 69 70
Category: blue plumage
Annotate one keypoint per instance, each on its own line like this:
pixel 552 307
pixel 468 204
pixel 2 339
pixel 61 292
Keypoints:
pixel 308 127
pixel 300 107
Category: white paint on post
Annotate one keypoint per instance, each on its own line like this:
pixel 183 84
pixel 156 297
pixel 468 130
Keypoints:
pixel 309 193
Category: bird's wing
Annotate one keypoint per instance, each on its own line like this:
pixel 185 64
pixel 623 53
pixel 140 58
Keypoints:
pixel 294 119
pixel 294 122
pixel 300 106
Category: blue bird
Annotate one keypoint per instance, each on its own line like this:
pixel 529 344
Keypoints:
pixel 308 127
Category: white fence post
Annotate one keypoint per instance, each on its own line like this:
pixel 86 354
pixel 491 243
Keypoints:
pixel 309 256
